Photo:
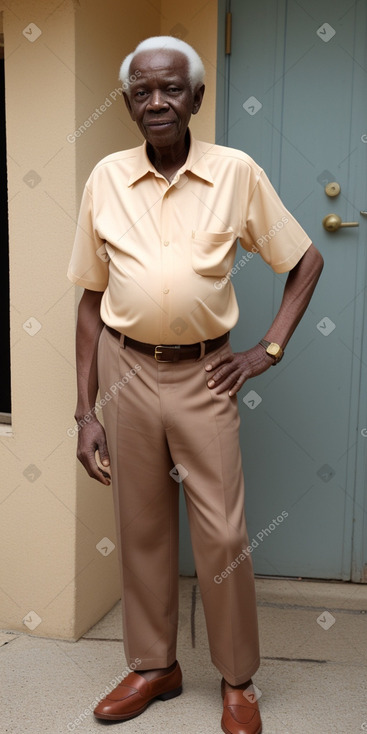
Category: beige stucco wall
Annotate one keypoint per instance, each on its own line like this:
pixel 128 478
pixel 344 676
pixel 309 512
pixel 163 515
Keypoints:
pixel 196 23
pixel 57 74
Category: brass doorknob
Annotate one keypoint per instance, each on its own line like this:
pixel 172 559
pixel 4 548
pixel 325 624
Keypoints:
pixel 333 222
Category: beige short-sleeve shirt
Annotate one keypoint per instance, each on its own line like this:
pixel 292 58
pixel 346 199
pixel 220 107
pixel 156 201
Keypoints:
pixel 163 252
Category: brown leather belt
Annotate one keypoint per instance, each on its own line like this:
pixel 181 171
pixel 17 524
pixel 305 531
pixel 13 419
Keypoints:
pixel 172 352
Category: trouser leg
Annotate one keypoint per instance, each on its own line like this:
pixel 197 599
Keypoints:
pixel 203 438
pixel 146 505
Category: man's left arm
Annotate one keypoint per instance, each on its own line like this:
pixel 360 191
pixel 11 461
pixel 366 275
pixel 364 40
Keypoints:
pixel 229 372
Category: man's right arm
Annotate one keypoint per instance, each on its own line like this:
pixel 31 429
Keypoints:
pixel 91 434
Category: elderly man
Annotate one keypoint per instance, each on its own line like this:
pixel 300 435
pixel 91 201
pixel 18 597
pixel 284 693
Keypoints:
pixel 158 227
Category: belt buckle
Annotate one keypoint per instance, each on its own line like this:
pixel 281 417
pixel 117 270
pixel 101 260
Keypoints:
pixel 161 350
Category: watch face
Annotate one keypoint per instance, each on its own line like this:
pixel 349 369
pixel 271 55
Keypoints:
pixel 275 350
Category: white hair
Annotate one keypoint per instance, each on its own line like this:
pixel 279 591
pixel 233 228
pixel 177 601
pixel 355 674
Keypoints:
pixel 165 43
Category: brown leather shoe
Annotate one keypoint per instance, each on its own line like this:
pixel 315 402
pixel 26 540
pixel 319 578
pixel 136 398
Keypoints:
pixel 241 715
pixel 132 696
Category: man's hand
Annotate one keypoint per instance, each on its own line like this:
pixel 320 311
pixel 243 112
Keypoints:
pixel 235 369
pixel 92 438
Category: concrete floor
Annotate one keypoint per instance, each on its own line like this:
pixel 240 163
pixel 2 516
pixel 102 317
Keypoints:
pixel 313 676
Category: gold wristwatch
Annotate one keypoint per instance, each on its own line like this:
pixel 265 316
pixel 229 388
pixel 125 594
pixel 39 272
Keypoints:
pixel 273 349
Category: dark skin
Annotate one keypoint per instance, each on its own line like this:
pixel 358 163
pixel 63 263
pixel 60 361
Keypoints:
pixel 161 102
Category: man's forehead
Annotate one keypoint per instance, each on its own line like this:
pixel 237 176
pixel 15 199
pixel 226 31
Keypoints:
pixel 157 60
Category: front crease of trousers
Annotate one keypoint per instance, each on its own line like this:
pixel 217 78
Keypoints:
pixel 160 417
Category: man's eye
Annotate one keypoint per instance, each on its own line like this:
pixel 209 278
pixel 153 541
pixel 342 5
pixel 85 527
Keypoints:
pixel 140 93
pixel 173 89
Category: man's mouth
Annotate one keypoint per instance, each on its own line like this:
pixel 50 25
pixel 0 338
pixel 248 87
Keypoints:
pixel 160 123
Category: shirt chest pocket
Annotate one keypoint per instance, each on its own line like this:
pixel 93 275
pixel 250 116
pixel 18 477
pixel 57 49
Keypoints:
pixel 212 253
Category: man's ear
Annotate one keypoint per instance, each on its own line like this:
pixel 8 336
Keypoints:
pixel 128 105
pixel 198 98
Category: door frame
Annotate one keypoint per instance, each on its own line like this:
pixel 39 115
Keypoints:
pixel 358 450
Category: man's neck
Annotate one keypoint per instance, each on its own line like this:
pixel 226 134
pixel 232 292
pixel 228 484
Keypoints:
pixel 168 160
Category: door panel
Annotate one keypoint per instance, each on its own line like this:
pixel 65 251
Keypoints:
pixel 305 67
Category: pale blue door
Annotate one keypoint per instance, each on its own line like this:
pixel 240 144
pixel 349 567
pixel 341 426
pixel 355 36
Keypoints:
pixel 292 94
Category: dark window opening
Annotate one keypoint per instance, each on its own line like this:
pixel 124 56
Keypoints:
pixel 5 398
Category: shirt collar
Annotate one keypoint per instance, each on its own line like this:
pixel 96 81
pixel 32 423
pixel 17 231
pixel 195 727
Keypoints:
pixel 195 162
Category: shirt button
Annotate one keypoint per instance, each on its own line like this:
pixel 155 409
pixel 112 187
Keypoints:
pixel 166 290
pixel 166 243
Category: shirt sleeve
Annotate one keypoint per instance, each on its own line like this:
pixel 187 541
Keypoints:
pixel 271 230
pixel 88 265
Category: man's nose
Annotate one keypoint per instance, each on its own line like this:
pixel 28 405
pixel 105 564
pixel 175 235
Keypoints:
pixel 157 100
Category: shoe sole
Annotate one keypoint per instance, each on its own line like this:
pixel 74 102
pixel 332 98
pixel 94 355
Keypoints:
pixel 125 717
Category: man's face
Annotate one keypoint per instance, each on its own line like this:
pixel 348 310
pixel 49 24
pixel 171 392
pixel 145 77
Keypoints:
pixel 161 100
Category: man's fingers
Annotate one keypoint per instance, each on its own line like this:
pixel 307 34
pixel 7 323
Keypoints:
pixel 217 378
pixel 94 470
pixel 91 467
pixel 103 455
pixel 102 463
pixel 233 383
pixel 93 453
pixel 228 370
pixel 106 476
pixel 237 386
pixel 219 359
pixel 227 380
pixel 235 369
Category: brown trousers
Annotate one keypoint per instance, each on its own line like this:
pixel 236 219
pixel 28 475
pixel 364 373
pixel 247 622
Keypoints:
pixel 160 416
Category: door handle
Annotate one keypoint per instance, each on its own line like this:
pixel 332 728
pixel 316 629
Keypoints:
pixel 332 222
